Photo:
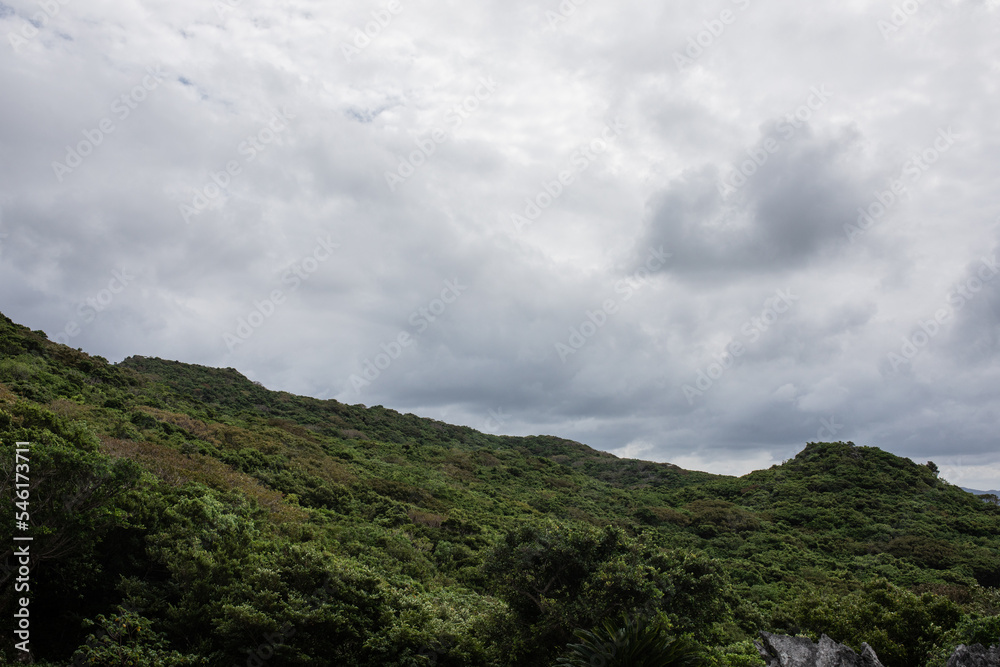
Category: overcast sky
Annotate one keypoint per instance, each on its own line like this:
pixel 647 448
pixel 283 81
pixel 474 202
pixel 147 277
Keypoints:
pixel 697 232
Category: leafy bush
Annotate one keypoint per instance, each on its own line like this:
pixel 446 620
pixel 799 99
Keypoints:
pixel 902 627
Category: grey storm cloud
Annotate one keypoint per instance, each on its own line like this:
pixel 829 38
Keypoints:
pixel 786 199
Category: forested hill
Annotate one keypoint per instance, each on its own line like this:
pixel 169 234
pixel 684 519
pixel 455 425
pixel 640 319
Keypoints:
pixel 229 392
pixel 185 515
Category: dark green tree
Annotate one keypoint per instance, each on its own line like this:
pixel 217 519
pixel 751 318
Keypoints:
pixel 555 578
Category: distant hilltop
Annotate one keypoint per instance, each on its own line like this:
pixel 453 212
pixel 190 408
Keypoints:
pixel 980 493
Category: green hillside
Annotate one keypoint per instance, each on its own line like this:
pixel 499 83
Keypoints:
pixel 184 515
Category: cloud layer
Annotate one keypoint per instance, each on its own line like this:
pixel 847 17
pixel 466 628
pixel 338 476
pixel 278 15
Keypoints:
pixel 697 233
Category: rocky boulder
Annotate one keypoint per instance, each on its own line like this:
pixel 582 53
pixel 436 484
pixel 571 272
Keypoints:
pixel 975 656
pixel 785 651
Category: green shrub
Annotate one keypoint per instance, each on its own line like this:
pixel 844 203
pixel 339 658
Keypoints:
pixel 632 642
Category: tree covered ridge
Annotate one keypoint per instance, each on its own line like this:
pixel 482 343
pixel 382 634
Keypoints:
pixel 192 516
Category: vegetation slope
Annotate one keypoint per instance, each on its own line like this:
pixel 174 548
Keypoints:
pixel 185 515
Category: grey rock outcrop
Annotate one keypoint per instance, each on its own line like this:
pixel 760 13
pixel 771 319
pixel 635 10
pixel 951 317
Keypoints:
pixel 785 651
pixel 976 655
